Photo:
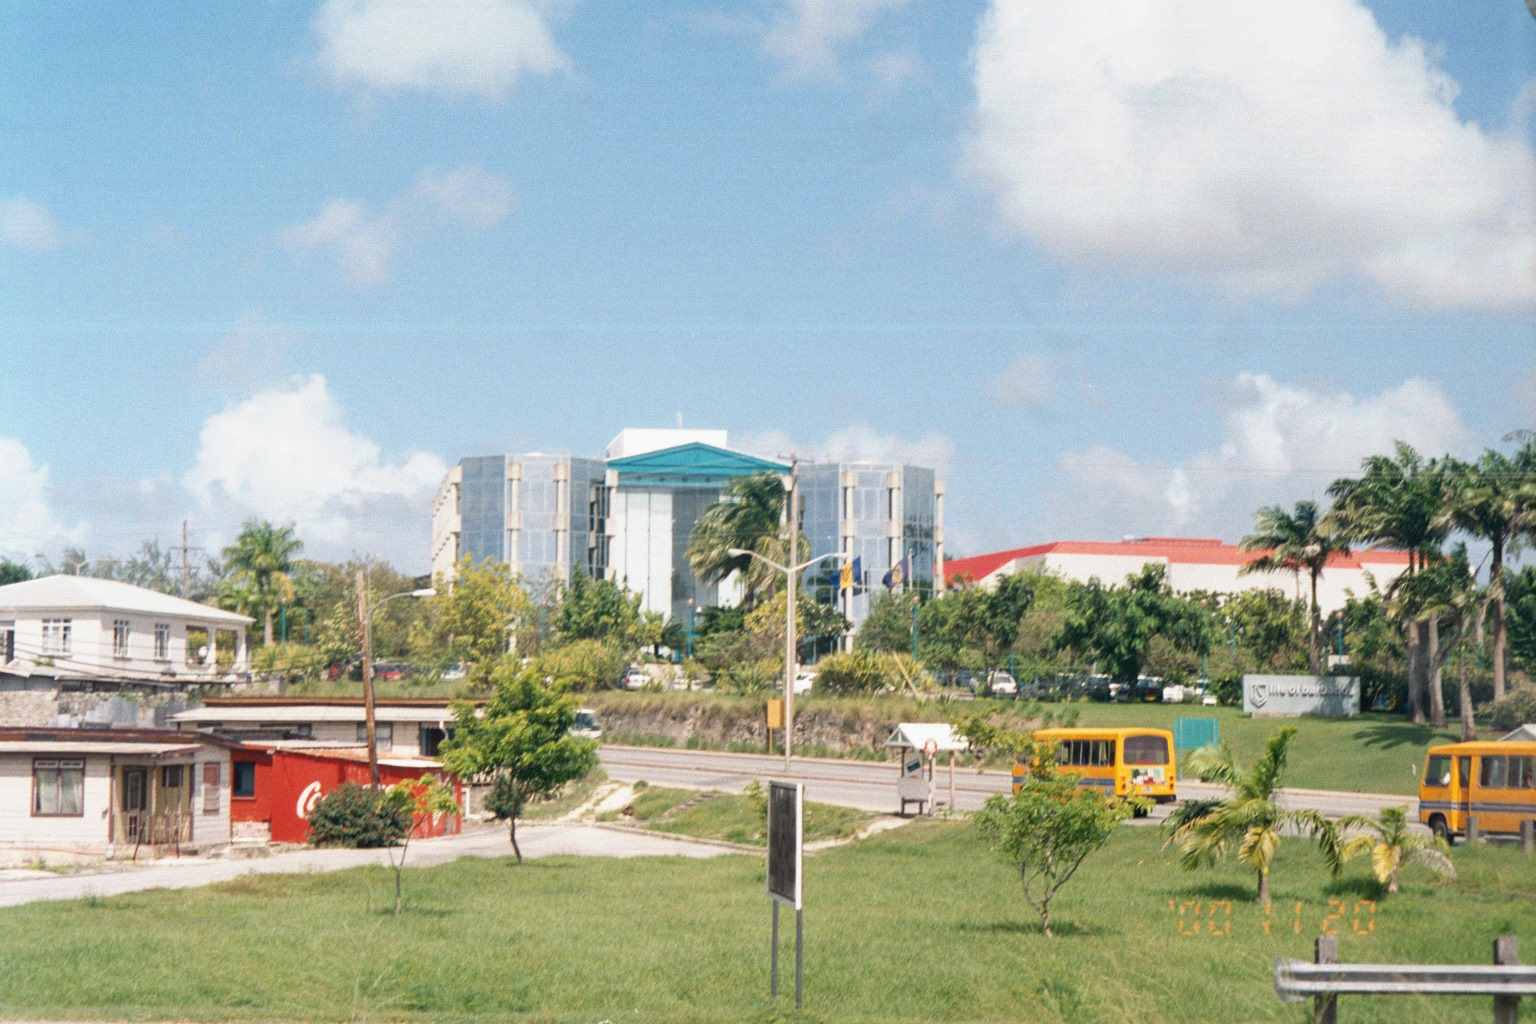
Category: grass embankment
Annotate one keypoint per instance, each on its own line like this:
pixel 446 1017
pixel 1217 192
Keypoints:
pixel 922 924
pixel 729 817
pixel 571 796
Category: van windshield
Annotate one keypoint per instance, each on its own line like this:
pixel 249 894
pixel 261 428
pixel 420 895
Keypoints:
pixel 1146 750
pixel 1438 771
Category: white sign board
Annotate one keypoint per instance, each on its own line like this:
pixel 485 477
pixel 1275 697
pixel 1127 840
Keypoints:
pixel 1290 696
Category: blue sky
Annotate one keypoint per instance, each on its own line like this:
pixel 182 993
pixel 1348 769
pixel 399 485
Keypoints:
pixel 1117 268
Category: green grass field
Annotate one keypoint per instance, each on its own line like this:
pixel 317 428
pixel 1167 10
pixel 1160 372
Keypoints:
pixel 921 924
pixel 731 818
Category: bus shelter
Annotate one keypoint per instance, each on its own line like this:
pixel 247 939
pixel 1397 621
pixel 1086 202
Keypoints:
pixel 916 747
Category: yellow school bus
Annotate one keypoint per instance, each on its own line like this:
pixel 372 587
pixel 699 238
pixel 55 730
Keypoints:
pixel 1118 761
pixel 1495 781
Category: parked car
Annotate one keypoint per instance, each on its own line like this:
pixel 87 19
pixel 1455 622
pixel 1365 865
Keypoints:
pixel 804 680
pixel 586 726
pixel 634 679
pixel 455 671
pixel 391 670
pixel 1001 684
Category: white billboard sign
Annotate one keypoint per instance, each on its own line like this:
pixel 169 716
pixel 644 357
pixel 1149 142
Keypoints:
pixel 1290 696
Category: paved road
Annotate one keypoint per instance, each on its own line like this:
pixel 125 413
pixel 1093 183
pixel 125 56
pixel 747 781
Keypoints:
pixel 871 785
pixel 536 840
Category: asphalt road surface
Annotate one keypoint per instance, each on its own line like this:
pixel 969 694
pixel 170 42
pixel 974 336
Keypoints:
pixel 871 785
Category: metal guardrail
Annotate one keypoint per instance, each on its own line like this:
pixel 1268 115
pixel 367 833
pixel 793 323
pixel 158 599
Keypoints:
pixel 1296 979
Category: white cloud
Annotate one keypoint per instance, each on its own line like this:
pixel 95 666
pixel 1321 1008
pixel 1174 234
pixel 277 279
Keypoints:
pixel 362 242
pixel 251 356
pixel 28 225
pixel 453 47
pixel 1028 383
pixel 1265 148
pixel 893 70
pixel 27 522
pixel 857 443
pixel 806 34
pixel 1279 444
pixel 285 454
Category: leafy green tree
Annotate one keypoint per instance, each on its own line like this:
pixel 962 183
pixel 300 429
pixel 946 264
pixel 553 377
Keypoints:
pixel 522 738
pixel 13 572
pixel 583 665
pixel 260 562
pixel 602 610
pixel 1116 625
pixel 750 517
pixel 888 626
pixel 813 620
pixel 1269 626
pixel 863 671
pixel 1250 821
pixel 417 801
pixel 1391 844
pixel 1297 541
pixel 1442 593
pixel 475 618
pixel 1048 828
pixel 1520 617
pixel 1493 500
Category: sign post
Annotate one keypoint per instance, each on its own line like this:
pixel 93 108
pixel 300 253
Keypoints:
pixel 786 844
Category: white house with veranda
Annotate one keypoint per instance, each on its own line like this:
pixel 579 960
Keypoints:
pixel 68 631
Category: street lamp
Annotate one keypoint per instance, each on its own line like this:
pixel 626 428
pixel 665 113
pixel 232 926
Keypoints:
pixel 365 618
pixel 791 574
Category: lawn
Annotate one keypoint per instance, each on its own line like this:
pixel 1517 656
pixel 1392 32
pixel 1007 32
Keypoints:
pixel 920 924
pixel 732 818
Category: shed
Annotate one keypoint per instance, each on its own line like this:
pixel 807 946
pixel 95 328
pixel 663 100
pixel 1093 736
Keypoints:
pixel 915 784
pixel 1525 734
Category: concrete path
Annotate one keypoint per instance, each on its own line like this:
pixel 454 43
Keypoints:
pixel 536 840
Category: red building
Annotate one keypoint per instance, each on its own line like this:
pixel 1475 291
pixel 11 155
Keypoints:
pixel 276 786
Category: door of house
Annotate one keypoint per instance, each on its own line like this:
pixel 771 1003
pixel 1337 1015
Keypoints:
pixel 135 803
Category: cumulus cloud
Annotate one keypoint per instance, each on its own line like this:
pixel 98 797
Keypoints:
pixel 27 521
pixel 1279 443
pixel 1263 148
pixel 451 47
pixel 28 225
pixel 286 454
pixel 857 443
pixel 362 242
pixel 806 34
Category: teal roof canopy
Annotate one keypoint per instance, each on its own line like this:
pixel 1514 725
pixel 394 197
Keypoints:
pixel 689 465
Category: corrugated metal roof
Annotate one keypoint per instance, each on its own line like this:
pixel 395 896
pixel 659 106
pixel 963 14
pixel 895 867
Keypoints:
pixel 313 713
pixel 86 593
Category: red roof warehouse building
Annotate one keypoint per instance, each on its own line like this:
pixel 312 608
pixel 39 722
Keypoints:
pixel 1193 563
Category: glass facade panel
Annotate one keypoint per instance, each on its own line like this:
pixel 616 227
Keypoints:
pixel 482 508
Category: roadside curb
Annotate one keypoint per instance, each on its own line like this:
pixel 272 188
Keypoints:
pixel 719 843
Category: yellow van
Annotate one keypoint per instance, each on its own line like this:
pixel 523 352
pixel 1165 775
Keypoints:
pixel 1495 781
pixel 1118 761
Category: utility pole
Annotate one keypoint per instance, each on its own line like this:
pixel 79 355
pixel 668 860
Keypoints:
pixel 186 563
pixel 792 528
pixel 363 624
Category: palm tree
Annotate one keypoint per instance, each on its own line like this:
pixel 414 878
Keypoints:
pixel 1491 499
pixel 1442 591
pixel 750 517
pixel 261 562
pixel 1296 541
pixel 1397 502
pixel 1391 845
pixel 1250 819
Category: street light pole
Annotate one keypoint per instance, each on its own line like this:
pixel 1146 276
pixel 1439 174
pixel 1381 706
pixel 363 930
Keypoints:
pixel 792 528
pixel 365 618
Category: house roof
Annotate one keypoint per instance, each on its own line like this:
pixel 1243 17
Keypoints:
pixel 1174 550
pixel 87 593
pixel 129 740
pixel 277 713
pixel 696 464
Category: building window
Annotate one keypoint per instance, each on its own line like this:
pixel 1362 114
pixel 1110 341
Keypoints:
pixel 7 642
pixel 120 638
pixel 385 731
pixel 170 775
pixel 243 780
pixel 210 789
pixel 162 641
pixel 58 788
pixel 56 635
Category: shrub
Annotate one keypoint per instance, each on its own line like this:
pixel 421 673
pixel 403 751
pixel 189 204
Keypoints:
pixel 584 665
pixel 857 672
pixel 356 816
pixel 1227 688
pixel 1514 709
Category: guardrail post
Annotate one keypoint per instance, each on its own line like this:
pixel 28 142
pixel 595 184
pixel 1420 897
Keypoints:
pixel 1506 1009
pixel 1472 836
pixel 1528 835
pixel 1325 1008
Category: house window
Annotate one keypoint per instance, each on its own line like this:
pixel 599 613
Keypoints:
pixel 162 641
pixel 211 788
pixel 385 731
pixel 7 642
pixel 56 635
pixel 58 787
pixel 120 638
pixel 170 776
pixel 243 780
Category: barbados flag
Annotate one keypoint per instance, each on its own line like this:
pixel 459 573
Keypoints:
pixel 851 576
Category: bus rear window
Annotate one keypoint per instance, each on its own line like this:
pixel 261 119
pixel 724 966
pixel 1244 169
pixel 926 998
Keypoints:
pixel 1438 771
pixel 1146 750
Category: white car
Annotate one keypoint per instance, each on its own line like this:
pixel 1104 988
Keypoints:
pixel 804 681
pixel 1001 684
pixel 586 726
pixel 634 679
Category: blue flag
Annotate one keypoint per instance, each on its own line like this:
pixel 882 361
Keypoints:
pixel 900 573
